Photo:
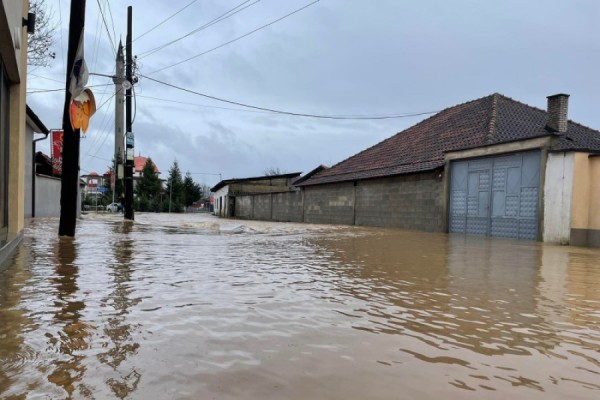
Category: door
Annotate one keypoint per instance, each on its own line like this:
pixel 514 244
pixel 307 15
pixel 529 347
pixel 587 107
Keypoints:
pixel 495 196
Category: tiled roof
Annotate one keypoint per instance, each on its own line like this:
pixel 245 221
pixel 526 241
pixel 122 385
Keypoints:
pixel 140 161
pixel 489 120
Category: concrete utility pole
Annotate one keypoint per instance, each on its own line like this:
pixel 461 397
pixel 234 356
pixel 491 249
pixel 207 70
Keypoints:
pixel 128 122
pixel 118 80
pixel 69 188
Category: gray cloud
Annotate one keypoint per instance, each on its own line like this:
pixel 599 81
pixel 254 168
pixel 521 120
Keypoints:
pixel 336 57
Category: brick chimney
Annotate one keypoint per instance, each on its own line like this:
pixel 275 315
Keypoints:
pixel 558 110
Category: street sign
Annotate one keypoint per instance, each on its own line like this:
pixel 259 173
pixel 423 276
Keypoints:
pixel 129 141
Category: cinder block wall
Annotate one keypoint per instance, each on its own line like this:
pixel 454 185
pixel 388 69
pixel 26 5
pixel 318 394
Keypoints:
pixel 243 207
pixel 287 207
pixel 329 204
pixel 262 207
pixel 409 202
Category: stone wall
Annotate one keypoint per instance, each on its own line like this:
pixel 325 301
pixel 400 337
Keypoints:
pixel 409 202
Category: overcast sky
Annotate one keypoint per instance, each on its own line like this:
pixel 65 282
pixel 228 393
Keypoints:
pixel 335 57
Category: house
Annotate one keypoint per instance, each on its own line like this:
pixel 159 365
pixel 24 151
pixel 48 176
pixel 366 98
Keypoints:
pixel 13 78
pixel 42 188
pixel 138 167
pixel 490 167
pixel 226 191
pixel 94 185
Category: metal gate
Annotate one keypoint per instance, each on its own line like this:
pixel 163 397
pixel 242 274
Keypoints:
pixel 496 196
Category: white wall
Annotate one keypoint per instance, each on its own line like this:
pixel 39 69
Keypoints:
pixel 558 197
pixel 220 205
pixel 47 196
pixel 28 169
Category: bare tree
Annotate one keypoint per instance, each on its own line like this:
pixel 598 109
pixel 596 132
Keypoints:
pixel 40 42
pixel 272 171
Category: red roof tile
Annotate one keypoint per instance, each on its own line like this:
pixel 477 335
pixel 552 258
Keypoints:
pixel 139 163
pixel 489 120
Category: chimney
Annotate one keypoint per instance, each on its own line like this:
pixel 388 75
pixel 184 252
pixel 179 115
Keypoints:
pixel 558 107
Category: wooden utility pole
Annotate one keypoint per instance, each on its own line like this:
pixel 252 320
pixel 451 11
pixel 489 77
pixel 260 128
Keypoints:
pixel 128 128
pixel 69 189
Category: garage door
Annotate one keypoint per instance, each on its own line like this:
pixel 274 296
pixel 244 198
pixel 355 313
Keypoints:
pixel 496 196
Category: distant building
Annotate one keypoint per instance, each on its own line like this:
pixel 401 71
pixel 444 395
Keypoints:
pixel 94 185
pixel 138 166
pixel 225 192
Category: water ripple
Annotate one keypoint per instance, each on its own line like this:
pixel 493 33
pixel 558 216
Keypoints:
pixel 190 306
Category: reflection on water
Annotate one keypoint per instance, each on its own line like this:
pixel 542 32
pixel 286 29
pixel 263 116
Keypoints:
pixel 189 306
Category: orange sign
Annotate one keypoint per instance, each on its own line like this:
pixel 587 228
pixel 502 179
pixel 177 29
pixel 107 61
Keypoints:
pixel 81 110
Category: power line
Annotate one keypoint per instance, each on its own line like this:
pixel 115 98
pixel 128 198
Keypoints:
pixel 202 105
pixel 112 21
pixel 106 26
pixel 296 114
pixel 44 77
pixel 236 39
pixel 214 21
pixel 39 90
pixel 165 20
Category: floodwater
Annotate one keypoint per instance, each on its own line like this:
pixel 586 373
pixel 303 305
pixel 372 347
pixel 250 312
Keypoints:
pixel 193 307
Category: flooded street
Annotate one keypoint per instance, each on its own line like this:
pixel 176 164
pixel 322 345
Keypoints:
pixel 193 307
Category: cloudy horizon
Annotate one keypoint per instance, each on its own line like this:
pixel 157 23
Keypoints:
pixel 333 57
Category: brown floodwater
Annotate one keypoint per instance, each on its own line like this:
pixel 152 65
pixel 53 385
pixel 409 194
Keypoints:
pixel 193 307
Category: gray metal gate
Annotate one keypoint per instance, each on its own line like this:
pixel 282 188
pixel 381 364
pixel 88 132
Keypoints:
pixel 496 196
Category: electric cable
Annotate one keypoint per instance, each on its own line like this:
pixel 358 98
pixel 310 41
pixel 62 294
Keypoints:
pixel 214 21
pixel 112 21
pixel 39 90
pixel 106 26
pixel 202 105
pixel 236 39
pixel 296 114
pixel 165 20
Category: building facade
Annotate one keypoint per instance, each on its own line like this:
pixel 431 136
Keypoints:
pixel 13 77
pixel 226 192
pixel 489 167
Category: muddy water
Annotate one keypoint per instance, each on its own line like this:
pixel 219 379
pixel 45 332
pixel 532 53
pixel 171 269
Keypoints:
pixel 191 307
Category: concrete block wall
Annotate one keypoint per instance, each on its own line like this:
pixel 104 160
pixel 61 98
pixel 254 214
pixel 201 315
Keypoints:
pixel 262 207
pixel 329 204
pixel 243 207
pixel 288 206
pixel 409 202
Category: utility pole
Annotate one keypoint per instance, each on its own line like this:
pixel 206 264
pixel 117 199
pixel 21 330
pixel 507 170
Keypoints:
pixel 118 80
pixel 128 122
pixel 69 188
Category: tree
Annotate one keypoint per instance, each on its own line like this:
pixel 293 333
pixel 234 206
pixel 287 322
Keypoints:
pixel 108 184
pixel 148 189
pixel 204 191
pixel 191 190
pixel 40 42
pixel 271 171
pixel 175 188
